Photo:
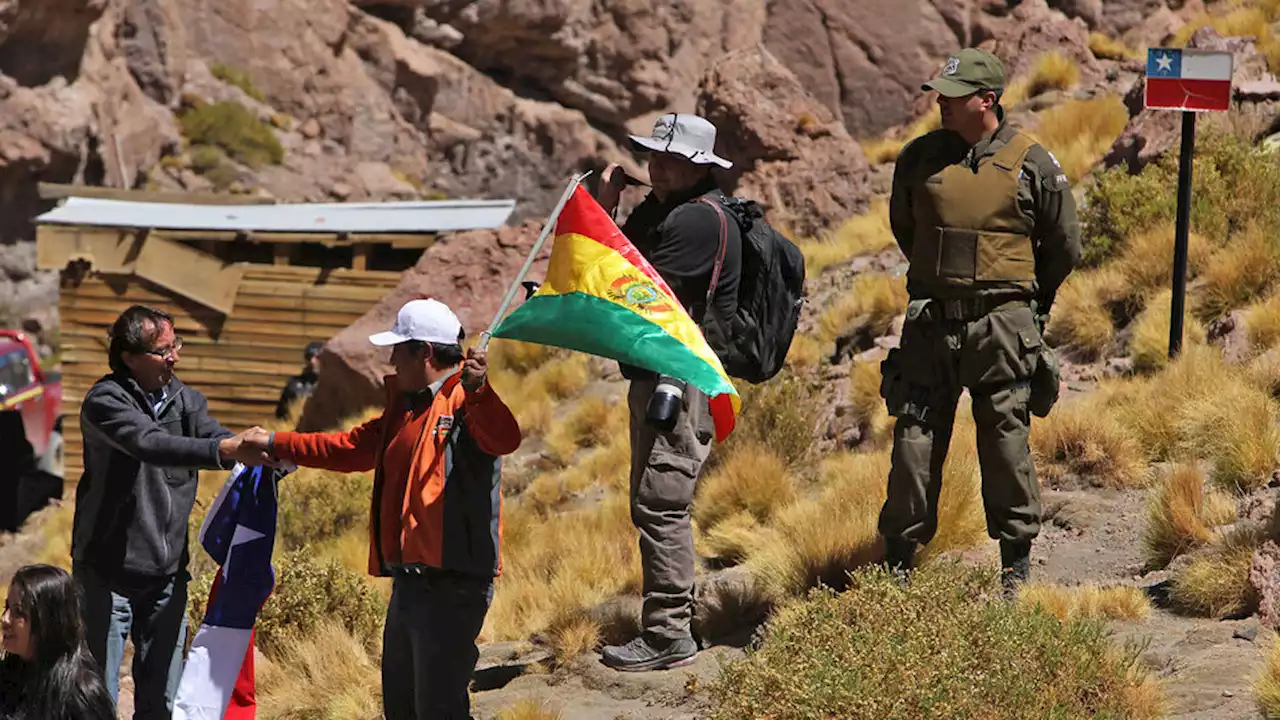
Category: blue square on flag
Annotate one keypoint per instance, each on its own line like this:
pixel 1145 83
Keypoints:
pixel 1183 79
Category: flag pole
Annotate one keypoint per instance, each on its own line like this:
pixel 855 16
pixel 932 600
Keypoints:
pixel 528 262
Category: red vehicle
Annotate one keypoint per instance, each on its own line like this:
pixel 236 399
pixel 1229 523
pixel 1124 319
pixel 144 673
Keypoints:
pixel 30 431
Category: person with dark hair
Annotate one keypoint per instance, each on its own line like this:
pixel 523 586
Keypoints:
pixel 46 671
pixel 435 523
pixel 146 435
pixel 300 386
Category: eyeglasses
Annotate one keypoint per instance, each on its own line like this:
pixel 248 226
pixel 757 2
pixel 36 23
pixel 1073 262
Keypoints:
pixel 166 353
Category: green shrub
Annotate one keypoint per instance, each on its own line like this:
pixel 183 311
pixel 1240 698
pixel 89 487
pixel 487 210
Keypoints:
pixel 239 78
pixel 309 592
pixel 1233 184
pixel 235 130
pixel 316 505
pixel 943 646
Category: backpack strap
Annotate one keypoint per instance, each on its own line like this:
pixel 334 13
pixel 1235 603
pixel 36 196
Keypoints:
pixel 724 246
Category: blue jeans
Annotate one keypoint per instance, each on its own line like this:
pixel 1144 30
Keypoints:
pixel 154 611
pixel 429 645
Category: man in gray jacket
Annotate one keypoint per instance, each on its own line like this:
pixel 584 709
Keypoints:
pixel 146 436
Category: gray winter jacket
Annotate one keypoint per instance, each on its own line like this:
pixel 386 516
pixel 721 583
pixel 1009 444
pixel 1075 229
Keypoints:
pixel 140 476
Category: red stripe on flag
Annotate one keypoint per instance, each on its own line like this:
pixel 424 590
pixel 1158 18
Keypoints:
pixel 722 415
pixel 582 215
pixel 1180 94
pixel 243 705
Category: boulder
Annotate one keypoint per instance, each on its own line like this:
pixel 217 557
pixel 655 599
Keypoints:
pixel 1264 576
pixel 790 153
pixel 469 271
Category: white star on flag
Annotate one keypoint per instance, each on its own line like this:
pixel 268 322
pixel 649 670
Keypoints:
pixel 242 535
pixel 1165 63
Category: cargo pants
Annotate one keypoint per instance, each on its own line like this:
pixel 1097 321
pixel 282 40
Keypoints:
pixel 994 356
pixel 664 472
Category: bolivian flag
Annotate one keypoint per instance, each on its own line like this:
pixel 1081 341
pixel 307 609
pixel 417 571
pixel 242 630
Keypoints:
pixel 602 297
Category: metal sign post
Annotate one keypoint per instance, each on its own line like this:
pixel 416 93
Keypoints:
pixel 1190 81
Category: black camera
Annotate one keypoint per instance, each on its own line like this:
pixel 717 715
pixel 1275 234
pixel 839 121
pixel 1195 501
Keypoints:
pixel 665 403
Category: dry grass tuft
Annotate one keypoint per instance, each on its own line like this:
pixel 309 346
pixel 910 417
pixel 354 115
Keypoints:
pixel 870 304
pixel 1149 343
pixel 1080 438
pixel 1080 316
pixel 868 405
pixel 752 479
pixel 1086 601
pixel 1216 584
pixel 573 637
pixel 1152 413
pixel 886 149
pixel 529 710
pixel 733 539
pixel 1146 264
pixel 592 422
pixel 1266 684
pixel 1234 427
pixel 1181 515
pixel 1262 320
pixel 327 674
pixel 1105 47
pixel 1243 20
pixel 1052 71
pixel 805 352
pixel 1264 372
pixel 861 235
pixel 809 544
pixel 556 566
pixel 1080 132
pixel 1238 273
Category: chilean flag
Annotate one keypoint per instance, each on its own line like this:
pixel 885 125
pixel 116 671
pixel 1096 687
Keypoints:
pixel 1179 79
pixel 239 533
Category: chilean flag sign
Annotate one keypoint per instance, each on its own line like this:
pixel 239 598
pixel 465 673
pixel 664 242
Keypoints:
pixel 239 533
pixel 1181 79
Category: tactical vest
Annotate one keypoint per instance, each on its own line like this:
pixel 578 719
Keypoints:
pixel 970 237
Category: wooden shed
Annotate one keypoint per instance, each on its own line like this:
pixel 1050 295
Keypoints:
pixel 249 285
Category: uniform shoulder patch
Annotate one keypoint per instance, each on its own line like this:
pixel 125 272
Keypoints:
pixel 1050 170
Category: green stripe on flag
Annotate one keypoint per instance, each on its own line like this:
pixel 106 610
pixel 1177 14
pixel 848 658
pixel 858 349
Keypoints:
pixel 596 326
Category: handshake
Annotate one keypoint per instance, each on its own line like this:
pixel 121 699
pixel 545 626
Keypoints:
pixel 251 447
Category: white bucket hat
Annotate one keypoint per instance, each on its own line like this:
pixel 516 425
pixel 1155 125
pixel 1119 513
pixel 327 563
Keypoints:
pixel 423 320
pixel 689 136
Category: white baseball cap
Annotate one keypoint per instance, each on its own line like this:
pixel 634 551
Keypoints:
pixel 685 135
pixel 422 320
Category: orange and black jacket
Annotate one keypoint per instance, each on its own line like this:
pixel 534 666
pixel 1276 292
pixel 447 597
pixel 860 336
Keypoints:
pixel 437 500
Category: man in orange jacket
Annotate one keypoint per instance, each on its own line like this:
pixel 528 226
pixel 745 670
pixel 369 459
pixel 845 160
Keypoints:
pixel 435 518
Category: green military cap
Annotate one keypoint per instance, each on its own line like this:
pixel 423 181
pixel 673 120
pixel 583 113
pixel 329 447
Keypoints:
pixel 967 72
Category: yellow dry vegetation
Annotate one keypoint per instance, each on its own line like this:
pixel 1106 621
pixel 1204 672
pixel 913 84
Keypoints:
pixel 1086 601
pixel 326 675
pixel 871 303
pixel 887 148
pixel 1266 683
pixel 1081 316
pixel 860 235
pixel 1244 269
pixel 529 710
pixel 752 479
pixel 1251 18
pixel 1182 514
pixel 1105 47
pixel 1052 71
pixel 1149 341
pixel 1079 438
pixel 1080 132
pixel 1216 583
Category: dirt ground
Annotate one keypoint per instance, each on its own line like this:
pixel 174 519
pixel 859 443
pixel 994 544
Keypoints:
pixel 1089 536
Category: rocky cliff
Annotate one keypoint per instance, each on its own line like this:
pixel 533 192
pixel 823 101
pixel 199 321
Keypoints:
pixel 471 98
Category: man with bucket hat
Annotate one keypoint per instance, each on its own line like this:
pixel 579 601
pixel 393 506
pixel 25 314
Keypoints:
pixel 682 230
pixel 986 217
pixel 435 520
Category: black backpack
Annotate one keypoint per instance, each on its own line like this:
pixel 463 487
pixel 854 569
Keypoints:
pixel 770 293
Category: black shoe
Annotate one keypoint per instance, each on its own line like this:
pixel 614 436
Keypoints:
pixel 900 557
pixel 644 654
pixel 1015 566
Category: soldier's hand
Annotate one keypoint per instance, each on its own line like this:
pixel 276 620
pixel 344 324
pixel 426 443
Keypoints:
pixel 474 368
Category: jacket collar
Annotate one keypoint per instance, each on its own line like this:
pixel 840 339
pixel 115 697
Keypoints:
pixel 417 399
pixel 664 207
pixel 171 391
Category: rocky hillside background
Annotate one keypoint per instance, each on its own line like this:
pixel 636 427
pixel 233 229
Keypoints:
pixel 311 100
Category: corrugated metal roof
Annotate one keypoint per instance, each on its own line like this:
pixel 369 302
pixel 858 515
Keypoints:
pixel 390 217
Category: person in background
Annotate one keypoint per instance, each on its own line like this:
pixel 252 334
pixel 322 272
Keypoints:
pixel 146 436
pixel 300 386
pixel 436 519
pixel 46 670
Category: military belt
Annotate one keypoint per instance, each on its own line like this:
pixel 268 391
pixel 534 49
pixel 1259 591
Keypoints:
pixel 973 308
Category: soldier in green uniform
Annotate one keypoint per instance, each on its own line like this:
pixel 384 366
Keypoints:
pixel 986 218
